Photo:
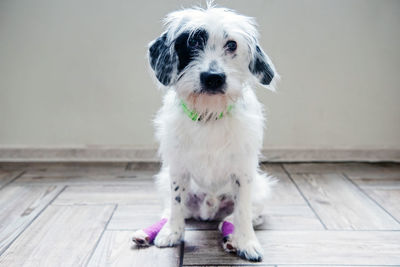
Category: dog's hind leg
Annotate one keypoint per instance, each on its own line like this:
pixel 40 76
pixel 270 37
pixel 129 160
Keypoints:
pixel 262 185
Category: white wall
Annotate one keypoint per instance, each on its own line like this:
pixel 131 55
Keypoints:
pixel 74 72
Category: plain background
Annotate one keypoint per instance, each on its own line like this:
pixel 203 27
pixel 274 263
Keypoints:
pixel 75 72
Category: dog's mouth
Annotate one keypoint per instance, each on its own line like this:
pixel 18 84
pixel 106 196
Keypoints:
pixel 206 102
pixel 213 92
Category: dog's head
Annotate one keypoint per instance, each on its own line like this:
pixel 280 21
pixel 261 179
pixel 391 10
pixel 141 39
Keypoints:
pixel 207 55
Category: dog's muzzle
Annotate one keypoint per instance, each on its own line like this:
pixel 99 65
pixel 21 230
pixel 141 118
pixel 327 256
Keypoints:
pixel 213 82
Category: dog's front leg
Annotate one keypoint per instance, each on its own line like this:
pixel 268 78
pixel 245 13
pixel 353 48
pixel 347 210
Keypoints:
pixel 244 238
pixel 172 232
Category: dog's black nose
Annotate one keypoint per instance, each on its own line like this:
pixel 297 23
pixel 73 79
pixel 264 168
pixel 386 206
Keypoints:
pixel 212 81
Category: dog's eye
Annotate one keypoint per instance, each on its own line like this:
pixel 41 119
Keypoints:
pixel 194 43
pixel 231 46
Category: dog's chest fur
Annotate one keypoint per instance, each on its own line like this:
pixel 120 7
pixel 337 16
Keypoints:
pixel 211 152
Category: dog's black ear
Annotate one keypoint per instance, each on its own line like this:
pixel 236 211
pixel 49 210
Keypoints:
pixel 260 67
pixel 162 60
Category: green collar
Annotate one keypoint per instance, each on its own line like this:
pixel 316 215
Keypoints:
pixel 194 116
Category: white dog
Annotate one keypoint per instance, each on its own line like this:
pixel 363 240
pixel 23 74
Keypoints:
pixel 210 127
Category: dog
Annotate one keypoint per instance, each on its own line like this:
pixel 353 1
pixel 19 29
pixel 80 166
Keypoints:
pixel 210 127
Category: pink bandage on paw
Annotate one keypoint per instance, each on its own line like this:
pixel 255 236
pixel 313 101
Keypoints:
pixel 227 228
pixel 154 229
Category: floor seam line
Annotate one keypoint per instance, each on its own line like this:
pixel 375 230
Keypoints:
pixel 127 167
pixel 30 223
pixel 304 197
pixel 18 175
pixel 181 253
pixel 101 235
pixel 369 197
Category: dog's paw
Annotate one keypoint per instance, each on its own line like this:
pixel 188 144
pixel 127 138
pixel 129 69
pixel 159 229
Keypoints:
pixel 250 250
pixel 228 244
pixel 168 237
pixel 141 239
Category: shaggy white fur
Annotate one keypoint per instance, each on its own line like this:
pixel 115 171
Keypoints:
pixel 210 167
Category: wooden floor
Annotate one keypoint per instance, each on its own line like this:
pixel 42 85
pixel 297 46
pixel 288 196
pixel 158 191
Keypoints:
pixel 84 214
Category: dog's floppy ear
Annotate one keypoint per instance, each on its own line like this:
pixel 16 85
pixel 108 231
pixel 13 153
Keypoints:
pixel 260 67
pixel 162 60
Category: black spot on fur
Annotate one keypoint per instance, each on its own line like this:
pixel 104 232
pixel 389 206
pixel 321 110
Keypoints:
pixel 161 59
pixel 260 67
pixel 188 46
pixel 178 199
pixel 238 183
pixel 176 188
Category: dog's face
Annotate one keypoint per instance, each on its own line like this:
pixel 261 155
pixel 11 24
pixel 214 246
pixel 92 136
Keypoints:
pixel 207 55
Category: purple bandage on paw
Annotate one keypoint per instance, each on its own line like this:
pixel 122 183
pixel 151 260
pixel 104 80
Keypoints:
pixel 227 228
pixel 153 230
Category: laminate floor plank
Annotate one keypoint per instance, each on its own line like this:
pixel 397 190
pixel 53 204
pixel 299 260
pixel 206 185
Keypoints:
pixel 60 236
pixel 382 184
pixel 141 192
pixel 353 170
pixel 119 179
pixel 133 217
pixel 19 205
pixel 92 174
pixel 341 205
